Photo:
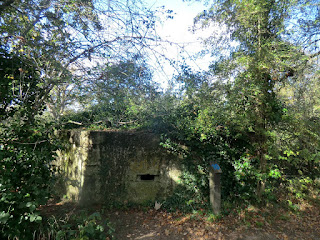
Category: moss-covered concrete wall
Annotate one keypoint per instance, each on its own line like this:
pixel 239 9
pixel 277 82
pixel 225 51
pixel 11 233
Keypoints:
pixel 116 166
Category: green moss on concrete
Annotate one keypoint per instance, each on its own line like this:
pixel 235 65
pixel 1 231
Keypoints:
pixel 103 167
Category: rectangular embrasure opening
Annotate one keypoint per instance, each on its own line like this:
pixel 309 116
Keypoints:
pixel 147 177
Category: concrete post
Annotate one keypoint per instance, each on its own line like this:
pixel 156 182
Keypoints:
pixel 215 187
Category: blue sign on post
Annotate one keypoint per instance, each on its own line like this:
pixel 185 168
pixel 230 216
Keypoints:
pixel 215 187
pixel 216 167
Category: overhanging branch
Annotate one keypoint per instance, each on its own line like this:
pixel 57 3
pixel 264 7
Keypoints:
pixel 105 43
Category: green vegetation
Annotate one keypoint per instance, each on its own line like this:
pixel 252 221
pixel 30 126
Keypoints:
pixel 255 112
pixel 79 226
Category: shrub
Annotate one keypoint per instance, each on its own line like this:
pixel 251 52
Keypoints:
pixel 80 226
pixel 25 179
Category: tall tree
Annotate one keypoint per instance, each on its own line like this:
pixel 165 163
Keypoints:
pixel 64 39
pixel 259 58
pixel 116 91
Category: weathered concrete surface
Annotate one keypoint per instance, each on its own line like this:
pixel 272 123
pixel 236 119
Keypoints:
pixel 116 166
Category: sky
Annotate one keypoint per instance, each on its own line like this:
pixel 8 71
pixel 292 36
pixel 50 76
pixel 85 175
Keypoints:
pixel 177 30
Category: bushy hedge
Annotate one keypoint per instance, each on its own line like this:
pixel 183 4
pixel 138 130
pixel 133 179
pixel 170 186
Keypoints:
pixel 25 180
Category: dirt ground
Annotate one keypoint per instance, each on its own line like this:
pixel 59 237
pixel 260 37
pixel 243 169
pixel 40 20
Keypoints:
pixel 252 224
pixel 158 225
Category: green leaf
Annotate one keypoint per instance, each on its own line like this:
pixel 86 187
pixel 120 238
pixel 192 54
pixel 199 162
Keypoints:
pixel 35 218
pixel 31 206
pixel 4 216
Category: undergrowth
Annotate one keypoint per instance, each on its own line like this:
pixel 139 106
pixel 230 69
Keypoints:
pixel 76 226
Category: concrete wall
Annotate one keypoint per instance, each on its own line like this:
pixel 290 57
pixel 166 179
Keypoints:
pixel 109 166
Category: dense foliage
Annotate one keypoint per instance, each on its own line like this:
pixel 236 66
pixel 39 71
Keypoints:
pixel 46 47
pixel 26 148
pixel 84 64
pixel 255 113
pixel 26 178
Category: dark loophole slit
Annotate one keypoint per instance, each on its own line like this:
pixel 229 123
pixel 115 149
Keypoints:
pixel 147 177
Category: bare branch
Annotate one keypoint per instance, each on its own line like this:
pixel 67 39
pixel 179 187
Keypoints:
pixel 314 55
pixel 105 43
